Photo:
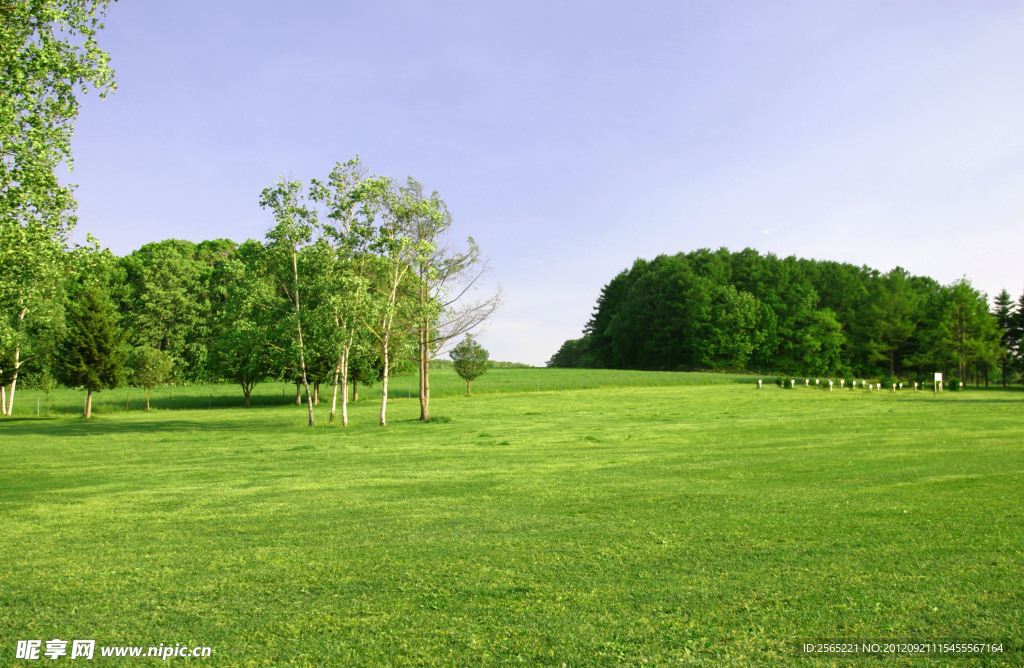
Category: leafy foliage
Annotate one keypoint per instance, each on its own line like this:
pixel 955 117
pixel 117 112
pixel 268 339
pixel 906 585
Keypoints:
pixel 48 55
pixel 746 311
pixel 470 360
pixel 150 368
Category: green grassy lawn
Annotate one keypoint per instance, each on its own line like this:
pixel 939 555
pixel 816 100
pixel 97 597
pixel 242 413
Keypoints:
pixel 671 525
pixel 443 383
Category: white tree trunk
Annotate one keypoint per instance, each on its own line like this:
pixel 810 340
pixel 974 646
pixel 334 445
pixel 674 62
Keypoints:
pixel 384 381
pixel 344 390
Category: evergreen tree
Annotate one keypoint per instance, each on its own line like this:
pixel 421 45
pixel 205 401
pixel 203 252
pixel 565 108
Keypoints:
pixel 889 318
pixel 90 353
pixel 572 355
pixel 1008 335
pixel 1015 346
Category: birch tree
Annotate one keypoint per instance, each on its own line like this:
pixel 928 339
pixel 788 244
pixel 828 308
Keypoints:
pixel 293 231
pixel 350 199
pixel 446 290
pixel 48 55
pixel 395 249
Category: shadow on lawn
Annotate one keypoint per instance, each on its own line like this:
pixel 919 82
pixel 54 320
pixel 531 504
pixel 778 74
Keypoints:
pixel 97 426
pixel 982 401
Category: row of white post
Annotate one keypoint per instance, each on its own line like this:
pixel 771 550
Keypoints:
pixel 842 384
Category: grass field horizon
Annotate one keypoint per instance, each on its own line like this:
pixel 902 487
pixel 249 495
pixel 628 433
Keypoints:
pixel 674 524
pixel 444 383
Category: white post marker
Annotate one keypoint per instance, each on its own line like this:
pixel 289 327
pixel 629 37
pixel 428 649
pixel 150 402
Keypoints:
pixel 915 386
pixel 807 382
pixel 830 386
pixel 842 383
pixel 792 383
pixel 938 382
pixel 759 383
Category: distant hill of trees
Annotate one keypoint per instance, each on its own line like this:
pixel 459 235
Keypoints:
pixel 743 310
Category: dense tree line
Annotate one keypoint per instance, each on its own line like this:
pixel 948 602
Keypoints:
pixel 746 311
pixel 356 279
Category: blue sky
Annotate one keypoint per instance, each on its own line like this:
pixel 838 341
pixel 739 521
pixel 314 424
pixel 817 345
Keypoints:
pixel 570 138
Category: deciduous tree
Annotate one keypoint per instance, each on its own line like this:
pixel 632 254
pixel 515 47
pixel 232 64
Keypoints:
pixel 446 289
pixel 48 55
pixel 395 249
pixel 351 199
pixel 470 360
pixel 249 345
pixel 151 367
pixel 292 232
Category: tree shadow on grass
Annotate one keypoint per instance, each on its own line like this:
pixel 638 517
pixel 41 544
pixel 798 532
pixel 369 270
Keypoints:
pixel 71 427
pixel 966 400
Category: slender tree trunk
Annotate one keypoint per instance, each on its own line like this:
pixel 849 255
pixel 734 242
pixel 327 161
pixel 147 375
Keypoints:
pixel 387 322
pixel 341 377
pixel 316 392
pixel 424 355
pixel 9 410
pixel 298 326
pixel 14 381
pixel 344 390
pixel 298 392
pixel 3 399
pixel 355 391
pixel 384 381
pixel 246 391
pixel 88 404
pixel 334 391
pixel 305 380
pixel 149 391
pixel 467 388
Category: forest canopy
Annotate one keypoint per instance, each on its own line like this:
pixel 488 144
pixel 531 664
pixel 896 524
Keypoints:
pixel 739 311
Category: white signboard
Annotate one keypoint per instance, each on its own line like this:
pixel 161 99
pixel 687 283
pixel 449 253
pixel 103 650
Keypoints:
pixel 938 377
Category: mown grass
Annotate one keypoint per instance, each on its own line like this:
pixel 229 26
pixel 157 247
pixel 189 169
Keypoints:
pixel 645 526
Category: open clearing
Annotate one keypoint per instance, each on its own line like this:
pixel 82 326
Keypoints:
pixel 720 525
